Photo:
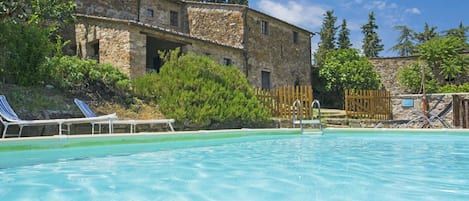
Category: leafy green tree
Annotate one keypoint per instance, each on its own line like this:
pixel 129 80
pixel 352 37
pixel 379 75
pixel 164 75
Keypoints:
pixel 346 69
pixel 459 32
pixel 51 14
pixel 344 36
pixel 23 48
pixel 371 42
pixel 427 34
pixel 443 55
pixel 327 35
pixel 44 12
pixel 405 45
pixel 203 94
pixel 443 63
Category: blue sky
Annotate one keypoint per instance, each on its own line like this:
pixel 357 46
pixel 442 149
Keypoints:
pixel 308 14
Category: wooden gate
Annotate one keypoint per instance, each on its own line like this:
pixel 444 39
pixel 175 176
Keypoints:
pixel 368 104
pixel 281 99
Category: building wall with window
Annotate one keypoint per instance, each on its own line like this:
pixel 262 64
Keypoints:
pixel 277 49
pixel 166 13
pixel 269 51
pixel 113 39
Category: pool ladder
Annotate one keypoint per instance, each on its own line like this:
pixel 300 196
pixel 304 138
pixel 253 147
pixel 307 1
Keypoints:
pixel 312 122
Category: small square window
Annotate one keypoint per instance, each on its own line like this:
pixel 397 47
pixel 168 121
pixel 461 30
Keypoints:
pixel 174 18
pixel 149 12
pixel 264 27
pixel 295 37
pixel 227 62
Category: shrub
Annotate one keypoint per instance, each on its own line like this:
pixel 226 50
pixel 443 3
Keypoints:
pixel 451 88
pixel 411 77
pixel 86 76
pixel 202 94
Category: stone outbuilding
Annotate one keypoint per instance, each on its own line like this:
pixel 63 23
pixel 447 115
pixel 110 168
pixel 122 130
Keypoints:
pixel 128 34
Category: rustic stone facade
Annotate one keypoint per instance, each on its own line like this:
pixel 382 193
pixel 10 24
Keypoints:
pixel 388 69
pixel 129 35
pixel 288 61
pixel 93 32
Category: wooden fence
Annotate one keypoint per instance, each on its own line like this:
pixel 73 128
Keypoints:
pixel 280 100
pixel 460 112
pixel 369 104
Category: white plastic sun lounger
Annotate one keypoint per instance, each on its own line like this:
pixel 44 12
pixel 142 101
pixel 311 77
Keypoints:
pixel 9 117
pixel 86 110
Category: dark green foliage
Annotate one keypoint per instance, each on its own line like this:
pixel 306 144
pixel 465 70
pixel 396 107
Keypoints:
pixel 327 34
pixel 343 42
pixel 405 45
pixel 427 34
pixel 12 10
pixel 43 12
pixel 22 50
pixel 371 42
pixel 86 77
pixel 202 94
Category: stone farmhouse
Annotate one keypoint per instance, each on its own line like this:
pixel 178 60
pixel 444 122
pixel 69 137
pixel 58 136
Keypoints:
pixel 129 33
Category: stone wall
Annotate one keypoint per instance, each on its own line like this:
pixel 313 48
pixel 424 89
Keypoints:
pixel 138 53
pixel 289 63
pixel 436 104
pixel 388 69
pixel 222 24
pixel 113 38
pixel 119 9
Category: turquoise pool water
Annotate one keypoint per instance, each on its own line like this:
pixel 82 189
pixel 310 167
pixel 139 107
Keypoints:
pixel 239 166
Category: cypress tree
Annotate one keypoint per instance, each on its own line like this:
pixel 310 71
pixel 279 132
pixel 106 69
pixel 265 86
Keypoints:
pixel 427 34
pixel 405 45
pixel 371 42
pixel 327 35
pixel 344 36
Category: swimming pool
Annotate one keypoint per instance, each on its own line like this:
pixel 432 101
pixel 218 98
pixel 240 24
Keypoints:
pixel 247 165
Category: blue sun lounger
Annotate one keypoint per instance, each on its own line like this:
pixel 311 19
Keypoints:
pixel 87 112
pixel 8 117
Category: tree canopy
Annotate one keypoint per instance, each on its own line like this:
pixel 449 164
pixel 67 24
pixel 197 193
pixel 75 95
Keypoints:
pixel 346 69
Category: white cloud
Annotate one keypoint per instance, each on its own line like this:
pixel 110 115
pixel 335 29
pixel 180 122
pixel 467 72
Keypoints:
pixel 413 11
pixel 294 12
pixel 380 5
